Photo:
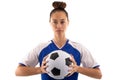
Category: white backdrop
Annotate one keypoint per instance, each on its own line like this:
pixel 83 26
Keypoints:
pixel 94 23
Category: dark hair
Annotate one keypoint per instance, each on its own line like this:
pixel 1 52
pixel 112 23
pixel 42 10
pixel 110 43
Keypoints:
pixel 59 6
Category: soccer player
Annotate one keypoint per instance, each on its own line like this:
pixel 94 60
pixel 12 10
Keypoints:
pixel 59 21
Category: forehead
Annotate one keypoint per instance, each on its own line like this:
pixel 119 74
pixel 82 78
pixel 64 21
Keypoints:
pixel 58 15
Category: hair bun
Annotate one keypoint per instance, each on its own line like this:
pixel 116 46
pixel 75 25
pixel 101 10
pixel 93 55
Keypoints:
pixel 58 4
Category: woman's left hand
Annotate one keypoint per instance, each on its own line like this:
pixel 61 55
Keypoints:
pixel 73 67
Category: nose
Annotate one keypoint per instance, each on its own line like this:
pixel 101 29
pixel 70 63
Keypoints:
pixel 59 25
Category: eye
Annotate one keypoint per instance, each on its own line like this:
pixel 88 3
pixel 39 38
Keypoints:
pixel 62 22
pixel 55 22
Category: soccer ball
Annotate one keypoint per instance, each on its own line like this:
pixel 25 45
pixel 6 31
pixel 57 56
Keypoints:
pixel 58 64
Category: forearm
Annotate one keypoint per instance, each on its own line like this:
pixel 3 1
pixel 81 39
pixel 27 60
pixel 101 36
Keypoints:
pixel 95 73
pixel 27 71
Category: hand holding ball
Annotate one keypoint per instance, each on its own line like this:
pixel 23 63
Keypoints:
pixel 58 64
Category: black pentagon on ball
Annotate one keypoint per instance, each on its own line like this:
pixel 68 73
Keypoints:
pixel 54 56
pixel 55 71
pixel 68 61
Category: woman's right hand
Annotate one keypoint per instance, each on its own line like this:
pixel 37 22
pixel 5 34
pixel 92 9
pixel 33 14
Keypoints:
pixel 44 66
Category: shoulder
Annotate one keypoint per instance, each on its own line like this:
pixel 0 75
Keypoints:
pixel 42 45
pixel 37 49
pixel 80 47
pixel 76 44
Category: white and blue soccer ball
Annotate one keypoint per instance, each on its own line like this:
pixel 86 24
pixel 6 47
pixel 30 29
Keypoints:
pixel 58 64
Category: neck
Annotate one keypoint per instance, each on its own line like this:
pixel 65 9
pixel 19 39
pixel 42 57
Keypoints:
pixel 59 40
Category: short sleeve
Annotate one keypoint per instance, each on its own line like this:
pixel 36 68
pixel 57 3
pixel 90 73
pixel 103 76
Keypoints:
pixel 31 59
pixel 87 59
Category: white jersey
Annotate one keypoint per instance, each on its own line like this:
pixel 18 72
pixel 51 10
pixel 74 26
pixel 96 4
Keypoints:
pixel 79 52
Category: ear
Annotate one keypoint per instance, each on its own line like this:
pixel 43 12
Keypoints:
pixel 49 20
pixel 68 22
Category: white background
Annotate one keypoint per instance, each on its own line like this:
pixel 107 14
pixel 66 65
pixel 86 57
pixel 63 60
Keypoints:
pixel 94 23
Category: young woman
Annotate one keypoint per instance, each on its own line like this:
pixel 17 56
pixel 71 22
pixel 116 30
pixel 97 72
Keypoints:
pixel 80 55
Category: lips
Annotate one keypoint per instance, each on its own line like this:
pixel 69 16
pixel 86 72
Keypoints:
pixel 59 30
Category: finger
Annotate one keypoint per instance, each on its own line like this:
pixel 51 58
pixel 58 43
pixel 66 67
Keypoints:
pixel 44 67
pixel 44 71
pixel 72 65
pixel 69 74
pixel 71 70
pixel 43 62
pixel 44 59
pixel 73 60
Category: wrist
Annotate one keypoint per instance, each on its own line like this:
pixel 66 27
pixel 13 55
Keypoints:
pixel 78 69
pixel 38 70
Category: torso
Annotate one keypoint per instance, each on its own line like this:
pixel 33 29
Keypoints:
pixel 69 48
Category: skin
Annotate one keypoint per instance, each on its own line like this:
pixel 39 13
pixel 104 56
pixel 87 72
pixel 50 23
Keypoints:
pixel 59 23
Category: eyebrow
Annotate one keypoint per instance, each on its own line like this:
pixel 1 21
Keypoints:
pixel 60 19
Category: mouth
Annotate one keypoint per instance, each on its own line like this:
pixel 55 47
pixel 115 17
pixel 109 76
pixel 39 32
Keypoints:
pixel 59 30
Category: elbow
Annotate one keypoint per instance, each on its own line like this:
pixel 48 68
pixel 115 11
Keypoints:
pixel 17 72
pixel 99 75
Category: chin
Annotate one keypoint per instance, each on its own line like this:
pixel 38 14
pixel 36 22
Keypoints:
pixel 59 30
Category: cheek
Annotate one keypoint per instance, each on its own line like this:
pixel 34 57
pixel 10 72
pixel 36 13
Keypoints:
pixel 53 28
pixel 65 26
